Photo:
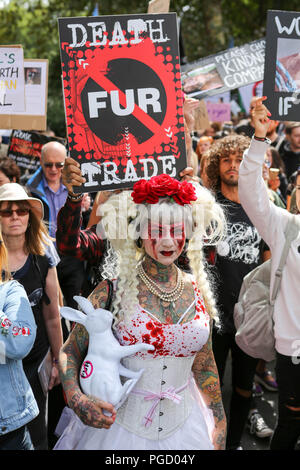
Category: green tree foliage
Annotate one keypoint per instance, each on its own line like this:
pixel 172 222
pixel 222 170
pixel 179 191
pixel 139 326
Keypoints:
pixel 207 27
pixel 210 26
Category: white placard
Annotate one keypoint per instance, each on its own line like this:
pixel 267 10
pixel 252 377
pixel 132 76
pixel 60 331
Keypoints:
pixel 12 83
pixel 34 116
pixel 35 72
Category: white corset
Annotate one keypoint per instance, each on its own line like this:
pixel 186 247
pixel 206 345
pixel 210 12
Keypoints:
pixel 161 400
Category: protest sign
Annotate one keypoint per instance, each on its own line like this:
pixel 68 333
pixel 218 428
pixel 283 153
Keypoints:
pixel 123 99
pixel 158 6
pixel 25 149
pixel 12 92
pixel 34 116
pixel 227 70
pixel 219 112
pixel 282 65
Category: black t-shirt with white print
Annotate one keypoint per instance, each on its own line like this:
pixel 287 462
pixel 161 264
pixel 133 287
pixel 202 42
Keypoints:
pixel 33 278
pixel 236 255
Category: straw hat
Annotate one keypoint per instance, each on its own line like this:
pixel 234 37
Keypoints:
pixel 15 192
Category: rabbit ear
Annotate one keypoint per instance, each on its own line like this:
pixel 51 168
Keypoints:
pixel 85 305
pixel 73 315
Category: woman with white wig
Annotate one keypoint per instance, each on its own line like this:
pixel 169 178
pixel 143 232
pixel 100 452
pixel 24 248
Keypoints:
pixel 176 404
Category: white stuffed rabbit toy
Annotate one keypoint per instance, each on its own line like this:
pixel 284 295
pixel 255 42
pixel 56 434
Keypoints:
pixel 101 369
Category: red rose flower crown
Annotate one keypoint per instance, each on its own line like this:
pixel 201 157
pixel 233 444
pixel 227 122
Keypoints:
pixel 149 191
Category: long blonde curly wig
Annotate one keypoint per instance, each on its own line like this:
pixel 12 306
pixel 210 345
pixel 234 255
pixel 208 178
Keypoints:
pixel 123 221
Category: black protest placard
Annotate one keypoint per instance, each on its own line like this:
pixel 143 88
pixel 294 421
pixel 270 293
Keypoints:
pixel 25 149
pixel 227 70
pixel 123 98
pixel 282 65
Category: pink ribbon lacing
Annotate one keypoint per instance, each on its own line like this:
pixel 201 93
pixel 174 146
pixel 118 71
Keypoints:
pixel 171 394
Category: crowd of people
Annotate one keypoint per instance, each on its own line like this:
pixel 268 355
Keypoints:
pixel 167 259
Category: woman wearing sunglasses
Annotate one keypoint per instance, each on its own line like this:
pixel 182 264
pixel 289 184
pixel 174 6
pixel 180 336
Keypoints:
pixel 25 235
pixel 17 334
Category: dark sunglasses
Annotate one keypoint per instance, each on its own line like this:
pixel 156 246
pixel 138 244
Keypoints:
pixel 57 165
pixel 9 212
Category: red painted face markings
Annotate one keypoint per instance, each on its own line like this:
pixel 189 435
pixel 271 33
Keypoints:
pixel 164 241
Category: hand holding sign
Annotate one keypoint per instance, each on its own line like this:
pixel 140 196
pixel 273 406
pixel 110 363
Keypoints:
pixel 189 105
pixel 260 117
pixel 71 175
pixel 188 175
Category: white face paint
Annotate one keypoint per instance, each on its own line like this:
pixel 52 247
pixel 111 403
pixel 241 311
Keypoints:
pixel 163 243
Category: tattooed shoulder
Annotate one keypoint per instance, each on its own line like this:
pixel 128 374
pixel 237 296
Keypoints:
pixel 99 295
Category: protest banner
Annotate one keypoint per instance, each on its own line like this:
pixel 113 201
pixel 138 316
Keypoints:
pixel 219 112
pixel 227 70
pixel 12 91
pixel 123 99
pixel 158 6
pixel 34 116
pixel 282 65
pixel 25 149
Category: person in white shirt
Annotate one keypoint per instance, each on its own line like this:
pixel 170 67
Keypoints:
pixel 271 222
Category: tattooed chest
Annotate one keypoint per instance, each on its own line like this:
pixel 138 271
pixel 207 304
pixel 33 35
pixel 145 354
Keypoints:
pixel 168 312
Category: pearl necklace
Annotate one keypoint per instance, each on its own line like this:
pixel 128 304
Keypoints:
pixel 166 296
pixel 179 278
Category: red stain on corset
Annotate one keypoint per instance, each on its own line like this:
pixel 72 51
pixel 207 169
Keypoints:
pixel 146 339
pixel 149 325
pixel 131 339
pixel 159 348
pixel 157 332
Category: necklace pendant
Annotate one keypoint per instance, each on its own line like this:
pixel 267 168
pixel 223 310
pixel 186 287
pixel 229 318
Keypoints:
pixel 165 303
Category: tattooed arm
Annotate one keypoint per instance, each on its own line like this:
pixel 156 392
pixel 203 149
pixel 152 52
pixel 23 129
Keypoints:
pixel 88 408
pixel 207 379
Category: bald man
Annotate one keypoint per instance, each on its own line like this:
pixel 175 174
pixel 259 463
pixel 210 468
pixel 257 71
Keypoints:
pixel 46 183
